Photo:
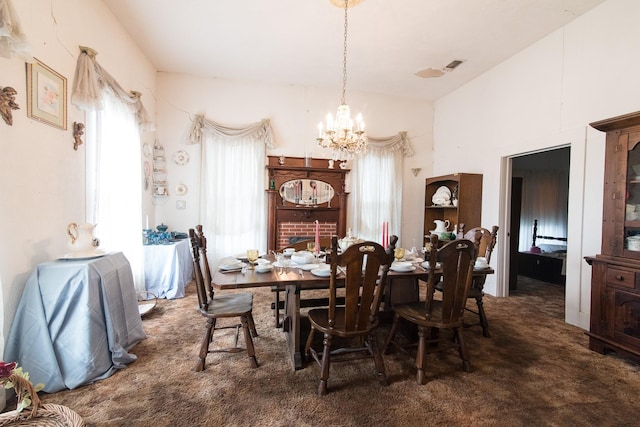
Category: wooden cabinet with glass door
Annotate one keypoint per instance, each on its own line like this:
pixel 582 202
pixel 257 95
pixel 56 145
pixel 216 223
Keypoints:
pixel 615 277
pixel 461 202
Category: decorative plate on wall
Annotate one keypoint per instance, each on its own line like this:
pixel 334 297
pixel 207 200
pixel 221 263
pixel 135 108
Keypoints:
pixel 181 157
pixel 181 189
pixel 147 169
pixel 146 150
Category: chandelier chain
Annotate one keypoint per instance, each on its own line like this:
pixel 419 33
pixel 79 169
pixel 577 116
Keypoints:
pixel 344 56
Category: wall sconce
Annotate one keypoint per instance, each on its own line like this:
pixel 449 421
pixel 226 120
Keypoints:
pixel 416 171
pixel 8 103
pixel 78 131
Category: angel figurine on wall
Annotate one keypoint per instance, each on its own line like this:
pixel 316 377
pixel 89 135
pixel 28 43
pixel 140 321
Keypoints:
pixel 78 131
pixel 8 103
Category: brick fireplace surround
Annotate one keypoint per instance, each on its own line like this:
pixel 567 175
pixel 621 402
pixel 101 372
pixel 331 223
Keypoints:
pixel 286 230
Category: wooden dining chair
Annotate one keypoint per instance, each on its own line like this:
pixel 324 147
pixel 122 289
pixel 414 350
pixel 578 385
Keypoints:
pixel 439 321
pixel 487 241
pixel 201 241
pixel 301 245
pixel 364 267
pixel 220 306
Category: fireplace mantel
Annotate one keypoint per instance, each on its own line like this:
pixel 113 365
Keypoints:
pixel 332 215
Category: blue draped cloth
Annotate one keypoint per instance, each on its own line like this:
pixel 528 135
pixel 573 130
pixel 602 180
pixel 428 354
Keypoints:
pixel 168 268
pixel 76 322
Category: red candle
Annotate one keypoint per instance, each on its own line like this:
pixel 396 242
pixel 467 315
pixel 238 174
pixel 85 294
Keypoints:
pixel 317 250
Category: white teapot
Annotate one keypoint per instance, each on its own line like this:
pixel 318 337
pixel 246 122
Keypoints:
pixel 441 226
pixel 347 241
pixel 82 238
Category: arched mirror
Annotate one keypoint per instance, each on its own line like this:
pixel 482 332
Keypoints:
pixel 306 191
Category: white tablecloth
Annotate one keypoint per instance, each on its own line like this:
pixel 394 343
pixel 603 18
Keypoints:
pixel 75 322
pixel 167 268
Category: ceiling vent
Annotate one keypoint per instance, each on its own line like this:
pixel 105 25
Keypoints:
pixel 428 73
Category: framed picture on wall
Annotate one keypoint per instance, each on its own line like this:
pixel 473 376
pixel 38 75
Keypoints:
pixel 46 95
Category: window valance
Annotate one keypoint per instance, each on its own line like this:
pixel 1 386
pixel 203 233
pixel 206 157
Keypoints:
pixel 13 42
pixel 202 126
pixel 391 143
pixel 91 81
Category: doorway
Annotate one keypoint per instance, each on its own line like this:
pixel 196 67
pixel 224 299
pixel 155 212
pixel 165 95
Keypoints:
pixel 539 195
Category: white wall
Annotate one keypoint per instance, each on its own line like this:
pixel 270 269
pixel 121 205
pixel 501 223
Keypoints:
pixel 546 96
pixel 42 179
pixel 294 112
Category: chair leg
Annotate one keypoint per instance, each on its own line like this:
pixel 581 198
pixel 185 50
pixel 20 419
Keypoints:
pixel 276 310
pixel 462 349
pixel 204 345
pixel 420 356
pixel 392 333
pixel 252 325
pixel 324 369
pixel 307 346
pixel 251 351
pixel 377 358
pixel 483 318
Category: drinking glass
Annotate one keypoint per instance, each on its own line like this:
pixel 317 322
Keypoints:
pixel 252 257
pixel 399 253
pixel 311 246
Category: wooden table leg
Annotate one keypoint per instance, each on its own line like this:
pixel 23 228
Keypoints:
pixel 291 323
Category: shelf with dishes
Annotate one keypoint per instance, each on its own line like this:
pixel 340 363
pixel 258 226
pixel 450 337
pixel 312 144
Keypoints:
pixel 160 185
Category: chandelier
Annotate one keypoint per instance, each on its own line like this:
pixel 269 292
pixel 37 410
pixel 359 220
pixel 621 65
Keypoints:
pixel 340 136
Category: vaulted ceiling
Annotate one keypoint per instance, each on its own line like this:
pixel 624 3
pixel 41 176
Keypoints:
pixel 300 42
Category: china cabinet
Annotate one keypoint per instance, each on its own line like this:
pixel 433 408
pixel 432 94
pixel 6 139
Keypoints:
pixel 461 204
pixel 615 277
pixel 301 191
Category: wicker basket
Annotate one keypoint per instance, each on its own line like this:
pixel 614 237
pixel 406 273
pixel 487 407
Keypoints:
pixel 38 414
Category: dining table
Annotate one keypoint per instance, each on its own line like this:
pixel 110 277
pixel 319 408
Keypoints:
pixel 401 287
pixel 76 321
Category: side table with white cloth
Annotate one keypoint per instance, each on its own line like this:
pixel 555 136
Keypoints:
pixel 76 321
pixel 168 268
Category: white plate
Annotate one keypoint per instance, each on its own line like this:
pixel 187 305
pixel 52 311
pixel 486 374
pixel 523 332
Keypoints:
pixel 403 269
pixel 85 255
pixel 426 264
pixel 285 263
pixel 401 264
pixel 264 268
pixel 321 272
pixel 234 266
pixel 243 257
pixel 181 157
pixel 302 257
pixel 181 189
pixel 309 267
pixel 146 150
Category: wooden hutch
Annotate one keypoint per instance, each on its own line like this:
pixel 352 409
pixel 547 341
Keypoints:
pixel 300 192
pixel 467 188
pixel 615 274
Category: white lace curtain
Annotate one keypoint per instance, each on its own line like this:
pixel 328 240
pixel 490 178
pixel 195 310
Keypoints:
pixel 232 185
pixel 90 83
pixel 115 120
pixel 376 187
pixel 13 42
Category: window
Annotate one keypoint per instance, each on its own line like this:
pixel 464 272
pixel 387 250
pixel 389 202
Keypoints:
pixel 113 187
